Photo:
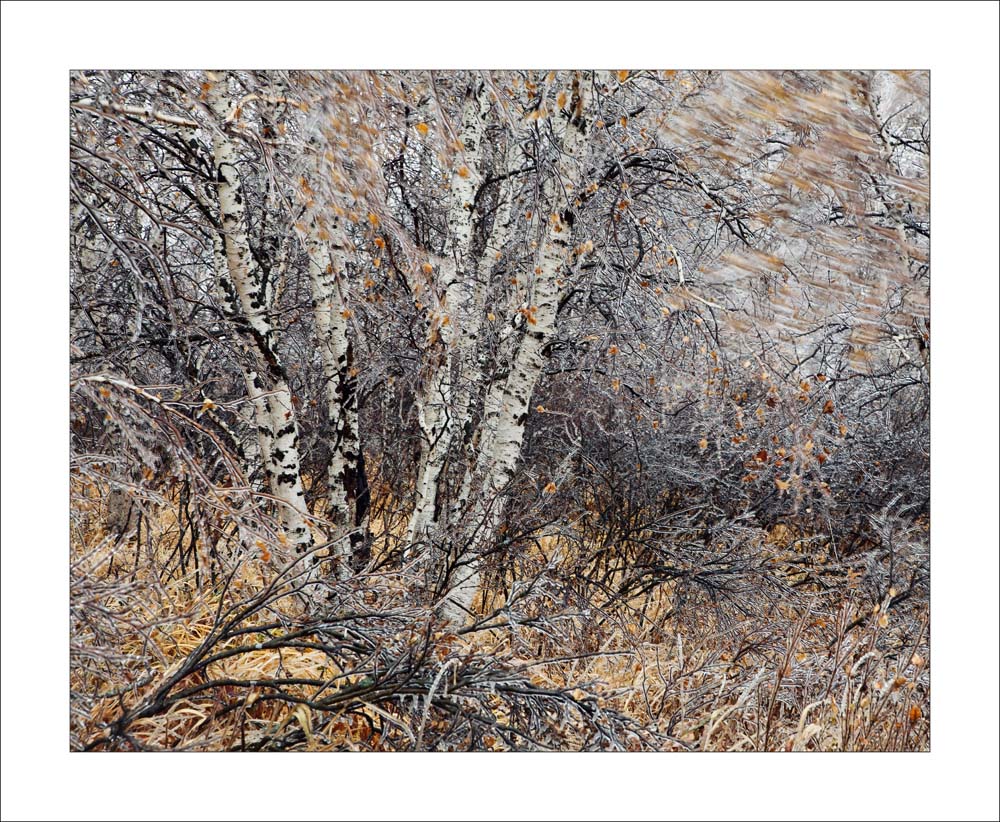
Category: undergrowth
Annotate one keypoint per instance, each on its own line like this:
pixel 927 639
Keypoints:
pixel 230 655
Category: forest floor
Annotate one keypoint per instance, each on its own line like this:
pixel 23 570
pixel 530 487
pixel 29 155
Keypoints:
pixel 173 661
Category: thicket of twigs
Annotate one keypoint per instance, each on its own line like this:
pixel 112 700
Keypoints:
pixel 715 533
pixel 615 615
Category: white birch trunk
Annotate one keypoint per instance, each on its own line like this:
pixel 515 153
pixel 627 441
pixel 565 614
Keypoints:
pixel 326 246
pixel 501 449
pixel 453 330
pixel 472 376
pixel 275 416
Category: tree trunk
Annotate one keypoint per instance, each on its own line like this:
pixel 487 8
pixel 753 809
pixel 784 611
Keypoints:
pixel 507 406
pixel 441 402
pixel 327 246
pixel 248 302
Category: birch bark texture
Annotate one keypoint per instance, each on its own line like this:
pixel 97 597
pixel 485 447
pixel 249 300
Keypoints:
pixel 507 401
pixel 327 244
pixel 249 306
pixel 442 400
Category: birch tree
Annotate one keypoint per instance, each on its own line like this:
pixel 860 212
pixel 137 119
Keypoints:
pixel 249 304
pixel 457 266
pixel 453 331
pixel 552 363
pixel 504 421
pixel 328 246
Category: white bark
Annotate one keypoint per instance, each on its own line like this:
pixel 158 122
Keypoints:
pixel 266 384
pixel 471 376
pixel 508 411
pixel 453 330
pixel 326 245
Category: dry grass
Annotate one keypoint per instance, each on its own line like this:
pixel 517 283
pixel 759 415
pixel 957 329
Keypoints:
pixel 170 661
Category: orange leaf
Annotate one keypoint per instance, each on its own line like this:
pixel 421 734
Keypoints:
pixel 422 129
